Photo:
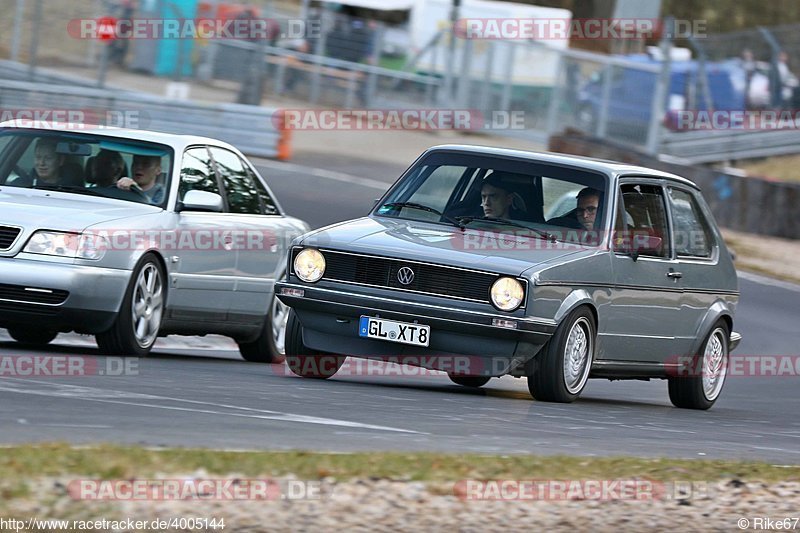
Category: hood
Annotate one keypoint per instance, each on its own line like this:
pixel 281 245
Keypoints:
pixel 503 252
pixel 34 209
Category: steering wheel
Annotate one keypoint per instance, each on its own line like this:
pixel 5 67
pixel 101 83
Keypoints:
pixel 21 175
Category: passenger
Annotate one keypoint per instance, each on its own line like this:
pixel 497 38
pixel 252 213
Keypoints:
pixel 46 167
pixel 146 170
pixel 497 198
pixel 584 216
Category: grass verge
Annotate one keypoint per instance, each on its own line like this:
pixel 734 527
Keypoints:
pixel 118 462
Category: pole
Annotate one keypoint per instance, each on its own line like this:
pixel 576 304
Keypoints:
pixel 37 22
pixel 17 37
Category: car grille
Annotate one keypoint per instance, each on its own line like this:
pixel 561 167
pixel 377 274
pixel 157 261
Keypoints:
pixel 428 279
pixel 7 236
pixel 20 293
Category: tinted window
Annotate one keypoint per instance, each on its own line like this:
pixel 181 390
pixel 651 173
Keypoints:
pixel 692 237
pixel 643 213
pixel 239 188
pixel 197 173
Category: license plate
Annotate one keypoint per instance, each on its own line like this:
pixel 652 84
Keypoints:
pixel 389 330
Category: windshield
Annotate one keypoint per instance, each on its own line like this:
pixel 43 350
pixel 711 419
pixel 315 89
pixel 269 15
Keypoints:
pixel 91 165
pixel 497 194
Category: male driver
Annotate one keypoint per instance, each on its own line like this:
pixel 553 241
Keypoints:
pixel 498 199
pixel 146 169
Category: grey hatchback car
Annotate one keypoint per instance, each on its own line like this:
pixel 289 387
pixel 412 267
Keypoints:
pixel 458 269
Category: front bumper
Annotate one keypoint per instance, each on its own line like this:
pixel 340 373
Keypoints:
pixel 94 299
pixel 330 324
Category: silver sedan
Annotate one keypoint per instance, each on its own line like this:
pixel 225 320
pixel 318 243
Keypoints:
pixel 131 235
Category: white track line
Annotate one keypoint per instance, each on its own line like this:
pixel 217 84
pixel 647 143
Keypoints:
pixel 91 394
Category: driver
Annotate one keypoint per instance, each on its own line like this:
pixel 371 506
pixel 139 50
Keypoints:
pixel 497 198
pixel 146 169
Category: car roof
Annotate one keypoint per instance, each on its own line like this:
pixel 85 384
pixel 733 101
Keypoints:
pixel 171 139
pixel 611 168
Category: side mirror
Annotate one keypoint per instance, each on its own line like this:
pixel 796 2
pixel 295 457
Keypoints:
pixel 201 201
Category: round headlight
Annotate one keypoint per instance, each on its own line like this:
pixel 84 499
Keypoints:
pixel 507 294
pixel 309 265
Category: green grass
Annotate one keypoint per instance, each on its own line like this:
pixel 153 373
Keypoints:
pixel 114 462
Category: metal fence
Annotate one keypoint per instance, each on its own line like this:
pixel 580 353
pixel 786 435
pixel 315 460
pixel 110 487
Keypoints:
pixel 252 129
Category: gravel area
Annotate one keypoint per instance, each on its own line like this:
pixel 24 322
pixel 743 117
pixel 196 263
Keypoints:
pixel 385 505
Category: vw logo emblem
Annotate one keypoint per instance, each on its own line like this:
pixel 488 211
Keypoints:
pixel 405 276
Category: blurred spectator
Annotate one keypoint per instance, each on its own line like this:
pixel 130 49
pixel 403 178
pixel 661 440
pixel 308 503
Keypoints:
pixel 788 80
pixel 748 65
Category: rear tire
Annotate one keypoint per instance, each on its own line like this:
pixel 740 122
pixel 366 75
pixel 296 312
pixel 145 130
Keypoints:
pixel 136 327
pixel 270 346
pixel 303 361
pixel 474 382
pixel 701 388
pixel 566 360
pixel 28 335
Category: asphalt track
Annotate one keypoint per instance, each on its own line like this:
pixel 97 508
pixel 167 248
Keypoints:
pixel 198 392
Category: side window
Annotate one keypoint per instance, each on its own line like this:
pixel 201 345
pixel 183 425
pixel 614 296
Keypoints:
pixel 239 188
pixel 268 206
pixel 642 215
pixel 692 237
pixel 197 173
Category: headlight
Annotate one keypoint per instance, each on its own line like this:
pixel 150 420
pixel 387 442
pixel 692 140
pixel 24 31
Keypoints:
pixel 309 265
pixel 64 244
pixel 507 294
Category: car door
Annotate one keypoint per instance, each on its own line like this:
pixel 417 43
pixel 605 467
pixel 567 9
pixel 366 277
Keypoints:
pixel 645 297
pixel 202 284
pixel 696 253
pixel 255 222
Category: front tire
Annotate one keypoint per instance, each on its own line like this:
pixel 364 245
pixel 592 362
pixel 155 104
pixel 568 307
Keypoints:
pixel 33 336
pixel 566 360
pixel 270 346
pixel 303 361
pixel 701 388
pixel 136 327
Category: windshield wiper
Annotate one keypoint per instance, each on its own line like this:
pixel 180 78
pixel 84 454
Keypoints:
pixel 67 188
pixel 421 207
pixel 463 221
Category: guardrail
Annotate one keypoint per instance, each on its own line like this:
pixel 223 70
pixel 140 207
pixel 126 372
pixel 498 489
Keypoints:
pixel 712 146
pixel 252 129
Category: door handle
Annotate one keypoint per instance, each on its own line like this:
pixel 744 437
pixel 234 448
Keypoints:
pixel 674 275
